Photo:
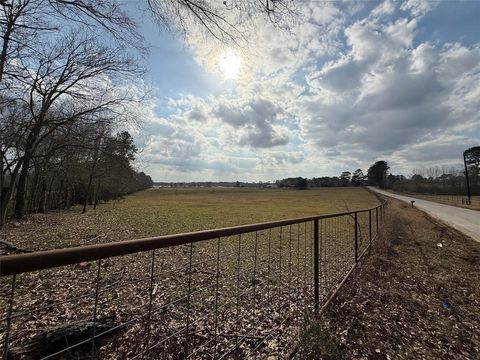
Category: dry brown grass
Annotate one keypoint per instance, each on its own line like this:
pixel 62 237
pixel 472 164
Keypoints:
pixel 276 264
pixel 393 307
pixel 157 212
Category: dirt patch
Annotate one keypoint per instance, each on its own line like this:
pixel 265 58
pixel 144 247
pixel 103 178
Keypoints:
pixel 416 296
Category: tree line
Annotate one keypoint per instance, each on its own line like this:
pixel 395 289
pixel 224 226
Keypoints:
pixel 66 100
pixel 447 180
pixel 376 176
pixel 438 180
pixel 64 105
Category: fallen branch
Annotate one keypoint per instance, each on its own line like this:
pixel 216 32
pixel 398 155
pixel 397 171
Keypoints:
pixel 55 339
pixel 11 247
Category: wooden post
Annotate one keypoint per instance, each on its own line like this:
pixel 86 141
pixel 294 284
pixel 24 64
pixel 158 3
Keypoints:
pixel 370 225
pixel 356 238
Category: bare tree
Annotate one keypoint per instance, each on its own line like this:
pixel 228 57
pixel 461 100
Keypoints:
pixel 67 84
pixel 55 81
pixel 23 21
pixel 12 130
pixel 220 19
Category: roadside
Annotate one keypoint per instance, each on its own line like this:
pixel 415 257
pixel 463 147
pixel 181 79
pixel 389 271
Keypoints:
pixel 464 220
pixel 453 200
pixel 417 295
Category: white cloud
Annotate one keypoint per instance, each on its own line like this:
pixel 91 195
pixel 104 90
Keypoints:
pixel 330 95
pixel 419 7
pixel 385 8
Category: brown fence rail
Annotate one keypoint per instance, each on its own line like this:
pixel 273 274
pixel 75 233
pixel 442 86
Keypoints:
pixel 237 292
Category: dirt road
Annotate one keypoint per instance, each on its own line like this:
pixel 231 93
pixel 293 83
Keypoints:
pixel 464 220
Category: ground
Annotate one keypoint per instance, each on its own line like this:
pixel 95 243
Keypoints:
pixel 394 305
pixel 257 287
pixel 169 211
pixel 417 295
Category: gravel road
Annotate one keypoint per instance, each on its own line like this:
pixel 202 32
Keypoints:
pixel 464 220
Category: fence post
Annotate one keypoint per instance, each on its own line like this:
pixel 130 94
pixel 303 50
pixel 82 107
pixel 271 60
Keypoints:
pixel 316 265
pixel 356 238
pixel 370 226
pixel 376 218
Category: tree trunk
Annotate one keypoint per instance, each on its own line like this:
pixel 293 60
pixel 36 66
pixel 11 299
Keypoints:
pixel 2 181
pixel 92 172
pixel 87 195
pixel 48 199
pixel 66 195
pixel 73 197
pixel 43 196
pixel 95 196
pixel 19 211
pixel 32 203
pixel 8 194
pixel 6 40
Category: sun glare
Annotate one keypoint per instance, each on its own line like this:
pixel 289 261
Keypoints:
pixel 229 64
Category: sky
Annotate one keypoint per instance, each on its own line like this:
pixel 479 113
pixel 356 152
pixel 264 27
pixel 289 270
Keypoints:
pixel 349 83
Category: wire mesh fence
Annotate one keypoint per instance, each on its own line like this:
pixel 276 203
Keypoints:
pixel 241 292
pixel 458 200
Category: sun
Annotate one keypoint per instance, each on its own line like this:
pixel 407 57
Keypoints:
pixel 229 64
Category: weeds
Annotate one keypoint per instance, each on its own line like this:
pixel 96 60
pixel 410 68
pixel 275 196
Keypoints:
pixel 318 343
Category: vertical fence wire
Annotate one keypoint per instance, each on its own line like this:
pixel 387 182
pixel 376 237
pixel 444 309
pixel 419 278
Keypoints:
pixel 9 318
pixel 305 276
pixel 95 308
pixel 217 276
pixel 237 314
pixel 298 277
pixel 150 300
pixel 269 262
pixel 189 294
pixel 279 286
pixel 255 274
pixel 316 265
pixel 290 263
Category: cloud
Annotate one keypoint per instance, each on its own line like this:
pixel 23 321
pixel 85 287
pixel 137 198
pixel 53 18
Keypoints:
pixel 254 120
pixel 419 7
pixel 385 94
pixel 283 158
pixel 385 8
pixel 338 91
pixel 445 148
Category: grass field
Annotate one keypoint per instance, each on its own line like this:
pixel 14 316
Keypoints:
pixel 168 211
pixel 245 288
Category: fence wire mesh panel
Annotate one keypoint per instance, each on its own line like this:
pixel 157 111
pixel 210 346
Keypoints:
pixel 459 200
pixel 243 292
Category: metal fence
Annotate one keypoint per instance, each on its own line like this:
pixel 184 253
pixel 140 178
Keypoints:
pixel 458 200
pixel 239 292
